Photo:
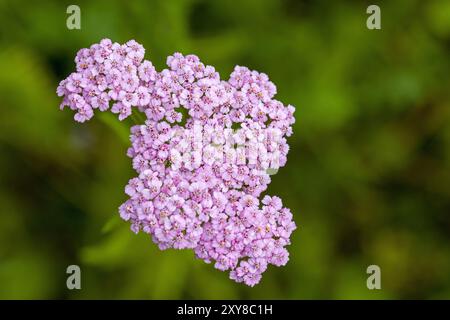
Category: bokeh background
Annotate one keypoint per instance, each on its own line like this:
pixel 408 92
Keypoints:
pixel 368 174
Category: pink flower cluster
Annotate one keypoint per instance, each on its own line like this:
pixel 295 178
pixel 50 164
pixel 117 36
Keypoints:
pixel 191 199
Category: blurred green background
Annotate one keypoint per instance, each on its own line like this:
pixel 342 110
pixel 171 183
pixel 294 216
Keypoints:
pixel 367 178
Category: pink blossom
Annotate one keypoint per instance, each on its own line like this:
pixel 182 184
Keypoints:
pixel 199 184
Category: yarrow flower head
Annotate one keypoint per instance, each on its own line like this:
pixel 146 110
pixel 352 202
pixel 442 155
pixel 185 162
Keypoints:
pixel 202 156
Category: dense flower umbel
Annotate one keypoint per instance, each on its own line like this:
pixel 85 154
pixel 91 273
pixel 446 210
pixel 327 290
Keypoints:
pixel 198 184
